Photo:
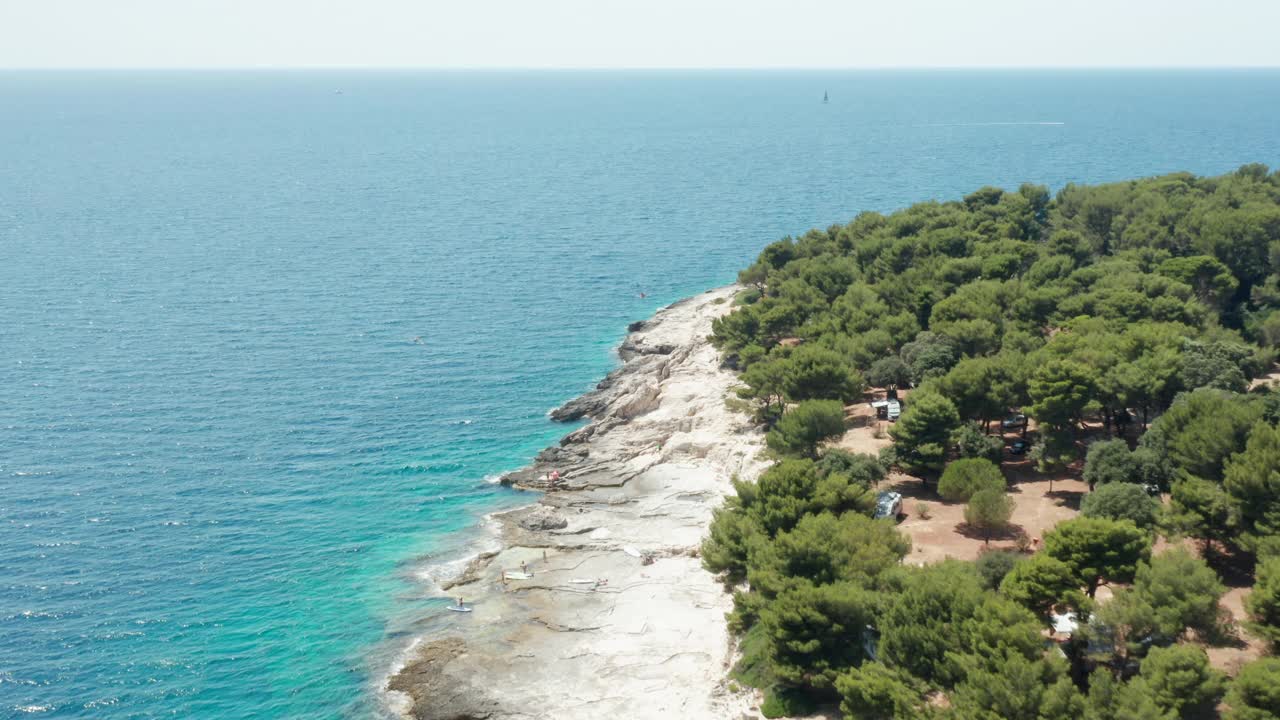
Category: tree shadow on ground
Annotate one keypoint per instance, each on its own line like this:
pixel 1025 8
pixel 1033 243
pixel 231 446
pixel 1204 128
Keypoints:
pixel 1225 635
pixel 911 488
pixel 1067 498
pixel 1013 532
pixel 1234 567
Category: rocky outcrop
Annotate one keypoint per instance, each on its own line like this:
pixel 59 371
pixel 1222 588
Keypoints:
pixel 544 518
pixel 436 694
pixel 597 604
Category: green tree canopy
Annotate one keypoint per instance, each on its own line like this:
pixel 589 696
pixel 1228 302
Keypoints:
pixel 1201 430
pixel 1122 501
pixel 929 355
pixel 1182 591
pixel 1110 699
pixel 981 388
pixel 860 468
pixel 1099 550
pixel 1252 480
pixel 806 425
pixel 729 541
pixel 889 371
pixel 1041 582
pixel 924 429
pixel 972 442
pixel 874 691
pixel 825 549
pixel 1016 688
pixel 816 373
pixel 816 632
pixel 1060 390
pixel 938 614
pixel 1201 509
pixel 1109 461
pixel 793 488
pixel 1179 680
pixel 1263 602
pixel 1255 693
pixel 1211 280
pixel 993 566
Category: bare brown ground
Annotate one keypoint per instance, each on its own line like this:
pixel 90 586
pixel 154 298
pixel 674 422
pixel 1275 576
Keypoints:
pixel 945 534
pixel 1270 378
pixel 1042 501
pixel 1230 657
pixel 861 437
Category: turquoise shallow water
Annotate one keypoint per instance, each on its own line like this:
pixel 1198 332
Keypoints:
pixel 265 334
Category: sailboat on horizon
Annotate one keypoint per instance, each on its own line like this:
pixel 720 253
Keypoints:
pixel 824 97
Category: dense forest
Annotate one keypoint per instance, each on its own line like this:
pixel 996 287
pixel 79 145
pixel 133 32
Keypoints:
pixel 1133 324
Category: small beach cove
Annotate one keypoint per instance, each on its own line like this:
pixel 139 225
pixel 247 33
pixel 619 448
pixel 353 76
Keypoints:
pixel 595 602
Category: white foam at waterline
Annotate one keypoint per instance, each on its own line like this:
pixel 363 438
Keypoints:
pixel 395 703
pixel 437 571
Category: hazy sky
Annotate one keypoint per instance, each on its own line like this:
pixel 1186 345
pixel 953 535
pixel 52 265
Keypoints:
pixel 637 33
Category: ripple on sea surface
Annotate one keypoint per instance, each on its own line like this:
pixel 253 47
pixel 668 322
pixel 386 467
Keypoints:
pixel 223 453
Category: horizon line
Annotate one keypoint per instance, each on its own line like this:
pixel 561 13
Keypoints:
pixel 610 68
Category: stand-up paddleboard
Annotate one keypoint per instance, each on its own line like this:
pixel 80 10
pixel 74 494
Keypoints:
pixel 517 576
pixel 458 609
pixel 582 581
pixel 631 551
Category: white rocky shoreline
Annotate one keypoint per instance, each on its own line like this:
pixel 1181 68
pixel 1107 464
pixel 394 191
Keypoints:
pixel 595 631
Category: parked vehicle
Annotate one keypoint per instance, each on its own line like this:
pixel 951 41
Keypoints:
pixel 888 505
pixel 887 409
pixel 1014 421
pixel 1019 447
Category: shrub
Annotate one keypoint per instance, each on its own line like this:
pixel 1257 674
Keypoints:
pixel 861 468
pixel 995 565
pixel 1121 501
pixel 971 442
pixel 889 371
pixel 963 478
pixel 782 702
pixel 989 510
pixel 1109 461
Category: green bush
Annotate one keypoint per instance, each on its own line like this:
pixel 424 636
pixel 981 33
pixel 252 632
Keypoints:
pixel 1122 501
pixel 995 565
pixel 966 477
pixel 989 510
pixel 786 702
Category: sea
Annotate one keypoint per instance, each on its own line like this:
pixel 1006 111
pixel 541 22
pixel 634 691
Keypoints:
pixel 267 338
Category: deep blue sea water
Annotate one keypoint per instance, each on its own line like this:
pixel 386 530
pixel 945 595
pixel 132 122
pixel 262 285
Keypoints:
pixel 264 335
